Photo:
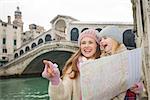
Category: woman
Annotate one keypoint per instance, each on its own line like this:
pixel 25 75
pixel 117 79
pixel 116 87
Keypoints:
pixel 68 88
pixel 111 42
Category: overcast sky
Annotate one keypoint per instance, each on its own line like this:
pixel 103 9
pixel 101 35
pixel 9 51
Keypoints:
pixel 41 12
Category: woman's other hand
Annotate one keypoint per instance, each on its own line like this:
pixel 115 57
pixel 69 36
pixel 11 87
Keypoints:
pixel 137 88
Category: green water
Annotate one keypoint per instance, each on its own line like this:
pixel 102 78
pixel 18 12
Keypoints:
pixel 24 89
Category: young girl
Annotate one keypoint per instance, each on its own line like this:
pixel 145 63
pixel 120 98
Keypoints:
pixel 68 88
pixel 111 42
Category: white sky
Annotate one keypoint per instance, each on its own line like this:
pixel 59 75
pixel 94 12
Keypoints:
pixel 41 12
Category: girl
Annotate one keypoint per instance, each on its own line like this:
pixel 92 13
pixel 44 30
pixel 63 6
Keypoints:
pixel 111 42
pixel 68 88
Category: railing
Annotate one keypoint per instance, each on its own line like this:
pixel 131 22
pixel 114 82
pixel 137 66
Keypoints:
pixel 53 44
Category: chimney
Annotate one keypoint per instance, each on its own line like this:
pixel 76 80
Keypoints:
pixel 9 19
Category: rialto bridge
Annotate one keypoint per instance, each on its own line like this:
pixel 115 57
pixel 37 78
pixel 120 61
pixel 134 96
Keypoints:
pixel 31 61
pixel 57 45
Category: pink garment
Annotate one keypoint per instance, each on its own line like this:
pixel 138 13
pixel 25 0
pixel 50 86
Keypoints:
pixel 55 79
pixel 139 88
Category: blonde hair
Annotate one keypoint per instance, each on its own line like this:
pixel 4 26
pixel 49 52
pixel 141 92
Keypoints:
pixel 116 45
pixel 72 62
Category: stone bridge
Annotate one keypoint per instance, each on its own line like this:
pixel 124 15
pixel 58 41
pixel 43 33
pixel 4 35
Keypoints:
pixel 31 61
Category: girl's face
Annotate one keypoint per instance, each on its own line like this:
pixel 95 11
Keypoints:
pixel 88 47
pixel 106 44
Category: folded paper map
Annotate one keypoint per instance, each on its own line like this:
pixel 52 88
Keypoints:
pixel 106 77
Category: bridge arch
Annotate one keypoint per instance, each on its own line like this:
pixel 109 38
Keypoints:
pixel 74 34
pixel 33 45
pixel 16 55
pixel 84 29
pixel 40 41
pixel 23 64
pixel 36 66
pixel 98 29
pixel 60 26
pixel 27 49
pixel 48 38
pixel 21 52
pixel 129 39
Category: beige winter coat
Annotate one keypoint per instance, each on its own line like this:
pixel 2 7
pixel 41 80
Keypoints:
pixel 67 89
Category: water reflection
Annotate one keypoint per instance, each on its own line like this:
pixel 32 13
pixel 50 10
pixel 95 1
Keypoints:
pixel 24 89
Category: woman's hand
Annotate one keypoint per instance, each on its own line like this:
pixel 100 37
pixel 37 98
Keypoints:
pixel 51 72
pixel 137 88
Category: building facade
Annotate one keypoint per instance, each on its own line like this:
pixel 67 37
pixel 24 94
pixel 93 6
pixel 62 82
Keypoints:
pixel 34 31
pixel 10 36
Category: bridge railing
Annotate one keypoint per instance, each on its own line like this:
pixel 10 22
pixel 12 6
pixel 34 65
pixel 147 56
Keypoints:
pixel 53 43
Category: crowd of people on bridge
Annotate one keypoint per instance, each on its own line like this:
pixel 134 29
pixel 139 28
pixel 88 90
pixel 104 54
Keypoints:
pixel 92 45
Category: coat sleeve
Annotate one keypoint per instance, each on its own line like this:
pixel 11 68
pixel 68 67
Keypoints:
pixel 62 91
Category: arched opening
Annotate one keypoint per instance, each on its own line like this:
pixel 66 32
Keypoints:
pixel 40 41
pixel 129 39
pixel 21 52
pixel 36 66
pixel 48 38
pixel 98 29
pixel 27 49
pixel 84 29
pixel 16 55
pixel 33 45
pixel 74 34
pixel 60 26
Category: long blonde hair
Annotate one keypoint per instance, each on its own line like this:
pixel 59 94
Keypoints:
pixel 72 62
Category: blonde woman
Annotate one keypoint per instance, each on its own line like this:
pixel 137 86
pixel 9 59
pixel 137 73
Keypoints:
pixel 111 42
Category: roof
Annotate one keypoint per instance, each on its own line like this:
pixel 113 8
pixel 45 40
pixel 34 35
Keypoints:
pixel 64 16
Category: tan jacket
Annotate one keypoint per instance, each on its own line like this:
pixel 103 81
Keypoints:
pixel 67 89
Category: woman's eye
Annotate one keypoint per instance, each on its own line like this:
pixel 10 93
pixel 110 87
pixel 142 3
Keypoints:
pixel 105 37
pixel 90 42
pixel 83 42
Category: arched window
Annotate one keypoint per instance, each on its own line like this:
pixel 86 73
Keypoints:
pixel 84 29
pixel 48 38
pixel 98 29
pixel 16 55
pixel 74 34
pixel 40 41
pixel 33 45
pixel 21 52
pixel 27 48
pixel 129 39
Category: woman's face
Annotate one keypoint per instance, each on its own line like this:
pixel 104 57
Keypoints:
pixel 88 47
pixel 106 44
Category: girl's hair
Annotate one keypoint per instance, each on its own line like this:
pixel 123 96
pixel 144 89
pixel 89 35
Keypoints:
pixel 72 63
pixel 115 47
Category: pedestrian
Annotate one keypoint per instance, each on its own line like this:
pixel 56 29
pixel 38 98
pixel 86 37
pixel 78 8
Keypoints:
pixel 111 42
pixel 68 88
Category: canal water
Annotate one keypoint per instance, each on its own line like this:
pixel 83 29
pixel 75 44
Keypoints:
pixel 24 89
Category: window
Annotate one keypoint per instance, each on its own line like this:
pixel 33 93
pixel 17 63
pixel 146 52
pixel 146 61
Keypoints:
pixel 15 27
pixel 4 24
pixel 3 58
pixel 84 29
pixel 40 41
pixel 48 38
pixel 74 34
pixel 15 42
pixel 4 40
pixel 4 50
